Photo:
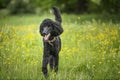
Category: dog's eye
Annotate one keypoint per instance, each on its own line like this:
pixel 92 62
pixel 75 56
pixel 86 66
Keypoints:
pixel 48 25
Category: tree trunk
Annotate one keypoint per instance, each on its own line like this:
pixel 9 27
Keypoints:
pixel 82 6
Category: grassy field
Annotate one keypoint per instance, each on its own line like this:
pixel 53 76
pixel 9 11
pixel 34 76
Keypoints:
pixel 90 48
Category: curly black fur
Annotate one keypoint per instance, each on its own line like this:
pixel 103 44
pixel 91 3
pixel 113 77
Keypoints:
pixel 51 48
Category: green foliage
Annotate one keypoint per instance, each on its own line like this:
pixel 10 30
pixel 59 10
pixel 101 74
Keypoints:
pixel 20 6
pixel 94 7
pixel 90 48
pixel 70 6
pixel 4 3
pixel 45 4
pixel 111 6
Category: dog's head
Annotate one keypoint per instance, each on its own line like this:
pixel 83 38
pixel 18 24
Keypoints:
pixel 46 29
pixel 46 32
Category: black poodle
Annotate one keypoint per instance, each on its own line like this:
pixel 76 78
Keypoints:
pixel 50 30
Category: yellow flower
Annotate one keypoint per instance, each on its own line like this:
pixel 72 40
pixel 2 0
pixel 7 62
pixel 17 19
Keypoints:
pixel 28 50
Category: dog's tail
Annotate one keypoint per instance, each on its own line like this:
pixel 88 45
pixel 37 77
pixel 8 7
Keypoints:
pixel 57 14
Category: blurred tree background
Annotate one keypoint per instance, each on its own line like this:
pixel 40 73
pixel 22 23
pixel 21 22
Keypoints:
pixel 68 6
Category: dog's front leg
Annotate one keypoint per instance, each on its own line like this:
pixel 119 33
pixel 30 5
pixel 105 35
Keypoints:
pixel 44 66
pixel 51 63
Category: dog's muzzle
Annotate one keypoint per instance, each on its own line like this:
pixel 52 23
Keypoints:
pixel 46 37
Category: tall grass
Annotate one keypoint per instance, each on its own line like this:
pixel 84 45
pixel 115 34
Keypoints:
pixel 90 49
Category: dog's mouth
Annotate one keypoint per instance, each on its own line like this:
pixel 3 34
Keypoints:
pixel 46 37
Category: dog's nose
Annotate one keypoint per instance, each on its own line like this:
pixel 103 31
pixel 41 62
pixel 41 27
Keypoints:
pixel 44 33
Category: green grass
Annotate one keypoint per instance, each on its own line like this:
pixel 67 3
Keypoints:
pixel 90 48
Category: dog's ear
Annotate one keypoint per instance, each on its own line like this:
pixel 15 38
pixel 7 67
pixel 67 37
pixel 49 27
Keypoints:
pixel 40 30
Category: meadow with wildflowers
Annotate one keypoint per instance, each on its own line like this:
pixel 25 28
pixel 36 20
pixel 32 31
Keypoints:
pixel 90 48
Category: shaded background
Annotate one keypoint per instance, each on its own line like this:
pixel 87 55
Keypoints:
pixel 67 6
